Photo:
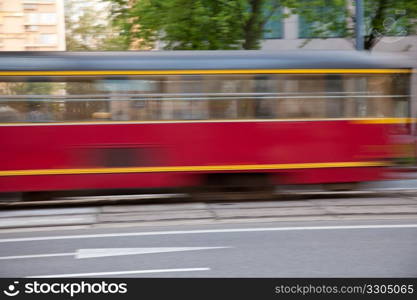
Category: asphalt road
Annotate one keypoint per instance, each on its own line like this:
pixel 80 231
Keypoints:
pixel 378 248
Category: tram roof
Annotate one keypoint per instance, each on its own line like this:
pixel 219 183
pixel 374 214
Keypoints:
pixel 195 60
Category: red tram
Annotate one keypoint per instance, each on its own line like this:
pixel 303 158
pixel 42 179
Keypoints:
pixel 88 121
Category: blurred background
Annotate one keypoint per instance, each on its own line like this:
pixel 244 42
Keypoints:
pixel 75 25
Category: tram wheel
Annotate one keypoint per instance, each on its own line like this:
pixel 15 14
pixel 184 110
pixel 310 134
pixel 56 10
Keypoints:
pixel 339 187
pixel 234 187
pixel 37 196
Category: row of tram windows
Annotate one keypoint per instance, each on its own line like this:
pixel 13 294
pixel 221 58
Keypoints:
pixel 203 97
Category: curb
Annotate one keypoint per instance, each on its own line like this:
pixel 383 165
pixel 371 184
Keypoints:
pixel 216 212
pixel 150 199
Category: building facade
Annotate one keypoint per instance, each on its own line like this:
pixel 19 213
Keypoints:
pixel 294 33
pixel 32 25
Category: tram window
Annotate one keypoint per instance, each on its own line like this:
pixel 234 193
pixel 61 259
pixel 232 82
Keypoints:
pixel 401 109
pixel 227 109
pixel 314 86
pixel 401 83
pixel 10 113
pixel 202 97
pixel 28 101
pixel 184 98
pixel 39 112
pixel 123 90
pixel 265 108
pixel 87 111
pixel 219 105
pixel 302 96
pixel 236 96
pixel 401 88
pixel 385 96
pixel 334 106
pixel 125 98
pixel 193 109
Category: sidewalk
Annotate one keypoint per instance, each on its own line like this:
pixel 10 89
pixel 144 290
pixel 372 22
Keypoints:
pixel 399 207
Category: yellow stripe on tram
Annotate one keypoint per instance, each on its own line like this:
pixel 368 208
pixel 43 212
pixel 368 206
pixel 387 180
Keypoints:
pixel 192 168
pixel 185 72
pixel 385 121
pixel 112 122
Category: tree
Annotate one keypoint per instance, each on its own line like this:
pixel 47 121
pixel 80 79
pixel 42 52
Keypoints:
pixel 88 27
pixel 329 18
pixel 389 18
pixel 196 24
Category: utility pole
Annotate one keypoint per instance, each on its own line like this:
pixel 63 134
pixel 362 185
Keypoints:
pixel 359 30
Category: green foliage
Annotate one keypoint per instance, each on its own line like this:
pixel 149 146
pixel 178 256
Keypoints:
pixel 191 25
pixel 195 24
pixel 240 24
pixel 329 18
pixel 88 30
pixel 389 18
pixel 322 18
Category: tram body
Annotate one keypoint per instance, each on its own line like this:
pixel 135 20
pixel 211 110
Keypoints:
pixel 74 121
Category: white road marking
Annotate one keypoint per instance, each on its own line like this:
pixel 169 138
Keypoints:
pixel 120 273
pixel 105 252
pixel 92 253
pixel 231 230
pixel 35 255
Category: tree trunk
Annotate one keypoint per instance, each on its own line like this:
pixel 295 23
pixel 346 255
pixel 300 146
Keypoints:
pixel 376 24
pixel 253 27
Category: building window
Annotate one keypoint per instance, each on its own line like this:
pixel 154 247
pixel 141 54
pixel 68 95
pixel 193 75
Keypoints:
pixel 273 27
pixel 47 18
pixel 33 18
pixel 31 27
pixel 37 1
pixel 42 18
pixel 29 6
pixel 325 20
pixel 47 39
